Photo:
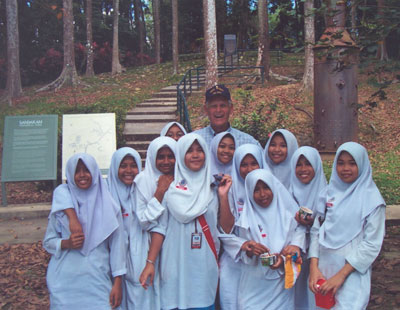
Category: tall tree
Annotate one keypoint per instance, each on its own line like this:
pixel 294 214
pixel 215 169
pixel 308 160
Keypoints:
pixel 116 65
pixel 353 12
pixel 139 21
pixel 68 76
pixel 309 38
pixel 263 37
pixel 13 86
pixel 156 17
pixel 210 37
pixel 382 50
pixel 175 46
pixel 89 39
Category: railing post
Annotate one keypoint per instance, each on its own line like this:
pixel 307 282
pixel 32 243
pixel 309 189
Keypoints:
pixel 262 75
pixel 190 80
pixel 184 85
pixel 198 78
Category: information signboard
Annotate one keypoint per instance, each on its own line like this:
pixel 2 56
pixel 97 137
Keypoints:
pixel 29 148
pixel 89 133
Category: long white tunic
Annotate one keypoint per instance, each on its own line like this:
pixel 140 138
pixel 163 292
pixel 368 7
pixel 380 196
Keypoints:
pixel 189 277
pixel 76 281
pixel 144 221
pixel 360 253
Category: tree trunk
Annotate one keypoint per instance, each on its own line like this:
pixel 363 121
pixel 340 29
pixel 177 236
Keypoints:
pixel 175 46
pixel 68 76
pixel 116 67
pixel 353 11
pixel 89 39
pixel 263 38
pixel 210 40
pixel 381 53
pixel 156 17
pixel 139 27
pixel 13 86
pixel 309 32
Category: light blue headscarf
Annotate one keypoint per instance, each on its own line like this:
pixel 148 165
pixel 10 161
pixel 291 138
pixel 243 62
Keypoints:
pixel 190 193
pixel 238 188
pixel 216 166
pixel 282 170
pixel 96 210
pixel 349 204
pixel 122 193
pixel 146 181
pixel 169 125
pixel 308 195
pixel 271 225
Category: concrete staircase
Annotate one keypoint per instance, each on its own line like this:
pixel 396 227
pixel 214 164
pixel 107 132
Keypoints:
pixel 144 122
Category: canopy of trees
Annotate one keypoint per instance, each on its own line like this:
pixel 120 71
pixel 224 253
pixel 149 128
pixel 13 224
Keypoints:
pixel 41 31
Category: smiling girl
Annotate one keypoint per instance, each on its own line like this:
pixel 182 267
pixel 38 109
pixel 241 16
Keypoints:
pixel 222 150
pixel 85 269
pixel 189 269
pixel 344 247
pixel 278 153
pixel 267 220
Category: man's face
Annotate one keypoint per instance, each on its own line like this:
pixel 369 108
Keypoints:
pixel 218 110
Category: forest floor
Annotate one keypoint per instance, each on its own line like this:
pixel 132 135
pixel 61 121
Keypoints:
pixel 258 109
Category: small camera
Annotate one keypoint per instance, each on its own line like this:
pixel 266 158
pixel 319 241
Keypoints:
pixel 217 180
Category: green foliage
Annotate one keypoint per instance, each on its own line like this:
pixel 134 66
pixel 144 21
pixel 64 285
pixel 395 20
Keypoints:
pixel 263 118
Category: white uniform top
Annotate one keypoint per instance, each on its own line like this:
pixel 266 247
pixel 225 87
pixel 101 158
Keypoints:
pixel 189 276
pixel 76 281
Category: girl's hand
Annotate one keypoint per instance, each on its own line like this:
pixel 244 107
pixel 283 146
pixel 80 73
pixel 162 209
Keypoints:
pixel 75 241
pixel 293 250
pixel 116 293
pixel 279 262
pixel 224 185
pixel 308 222
pixel 253 248
pixel 332 284
pixel 147 273
pixel 163 184
pixel 315 275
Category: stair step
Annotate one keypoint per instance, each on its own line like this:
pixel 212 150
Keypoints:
pixel 165 94
pixel 153 110
pixel 156 104
pixel 143 131
pixel 152 118
pixel 139 145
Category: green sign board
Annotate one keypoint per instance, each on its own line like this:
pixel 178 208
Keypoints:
pixel 29 148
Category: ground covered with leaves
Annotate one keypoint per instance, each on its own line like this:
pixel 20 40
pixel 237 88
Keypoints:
pixel 23 275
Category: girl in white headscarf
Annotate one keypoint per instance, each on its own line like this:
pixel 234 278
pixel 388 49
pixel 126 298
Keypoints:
pixel 247 157
pixel 189 269
pixel 147 234
pixel 344 247
pixel 85 268
pixel 125 165
pixel 278 153
pixel 222 149
pixel 173 130
pixel 307 184
pixel 267 219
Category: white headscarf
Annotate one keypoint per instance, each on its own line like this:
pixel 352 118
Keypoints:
pixel 282 170
pixel 238 188
pixel 308 195
pixel 96 209
pixel 120 192
pixel 349 204
pixel 146 181
pixel 271 225
pixel 169 125
pixel 216 166
pixel 190 193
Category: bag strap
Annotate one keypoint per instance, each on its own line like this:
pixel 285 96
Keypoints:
pixel 207 234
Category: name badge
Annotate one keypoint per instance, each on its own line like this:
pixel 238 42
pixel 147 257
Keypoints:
pixel 196 240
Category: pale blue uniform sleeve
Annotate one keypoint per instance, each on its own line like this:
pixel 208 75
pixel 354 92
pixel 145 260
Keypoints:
pixel 161 227
pixel 118 250
pixel 313 250
pixel 362 256
pixel 232 244
pixel 54 236
pixel 147 212
pixel 299 237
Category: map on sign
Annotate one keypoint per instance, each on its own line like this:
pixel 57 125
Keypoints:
pixel 89 133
